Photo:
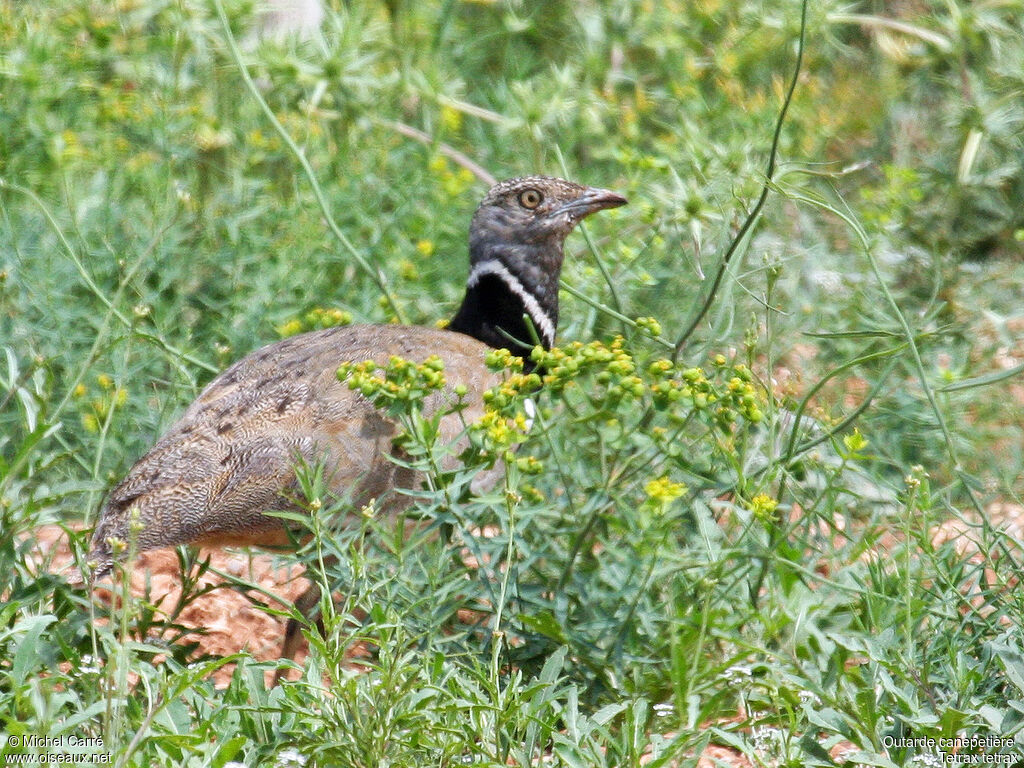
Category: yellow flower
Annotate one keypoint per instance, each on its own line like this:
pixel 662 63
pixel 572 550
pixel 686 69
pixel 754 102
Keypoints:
pixel 664 490
pixel 649 324
pixel 408 270
pixel 763 506
pixel 530 465
pixel 451 118
pixel 290 328
pixel 855 442
pixel 437 164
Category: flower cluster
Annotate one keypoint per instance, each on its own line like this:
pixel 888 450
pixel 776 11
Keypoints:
pixel 763 507
pixel 604 374
pixel 650 325
pixel 454 182
pixel 96 409
pixel 494 434
pixel 681 389
pixel 399 384
pixel 314 320
pixel 505 422
pixel 507 396
pixel 692 387
pixel 663 491
pixel 613 368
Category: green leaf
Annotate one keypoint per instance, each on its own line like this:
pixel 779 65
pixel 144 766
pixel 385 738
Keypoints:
pixel 26 657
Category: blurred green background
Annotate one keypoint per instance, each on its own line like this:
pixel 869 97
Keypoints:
pixel 155 226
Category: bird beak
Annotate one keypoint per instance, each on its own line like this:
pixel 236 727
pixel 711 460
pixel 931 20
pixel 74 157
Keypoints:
pixel 590 200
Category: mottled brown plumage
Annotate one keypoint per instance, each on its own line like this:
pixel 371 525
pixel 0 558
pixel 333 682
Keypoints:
pixel 232 455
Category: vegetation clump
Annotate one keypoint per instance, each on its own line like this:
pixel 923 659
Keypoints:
pixel 764 494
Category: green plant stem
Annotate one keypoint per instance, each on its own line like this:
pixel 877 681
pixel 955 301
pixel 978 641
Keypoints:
pixel 604 308
pixel 755 212
pixel 374 274
pixel 798 414
pixel 909 337
pixel 602 267
pixel 91 284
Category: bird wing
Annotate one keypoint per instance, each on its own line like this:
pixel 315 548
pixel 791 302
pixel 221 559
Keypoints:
pixel 232 455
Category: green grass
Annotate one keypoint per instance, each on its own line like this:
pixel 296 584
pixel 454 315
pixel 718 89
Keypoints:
pixel 750 562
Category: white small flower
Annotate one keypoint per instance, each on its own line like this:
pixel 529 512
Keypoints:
pixel 737 672
pixel 767 740
pixel 828 280
pixel 807 697
pixel 290 757
pixel 183 194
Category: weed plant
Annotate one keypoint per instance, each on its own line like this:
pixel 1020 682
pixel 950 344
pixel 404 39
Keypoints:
pixel 730 527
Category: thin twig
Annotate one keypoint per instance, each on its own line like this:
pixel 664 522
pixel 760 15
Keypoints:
pixel 91 283
pixel 448 151
pixel 755 212
pixel 375 274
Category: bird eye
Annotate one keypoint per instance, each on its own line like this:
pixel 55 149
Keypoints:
pixel 530 198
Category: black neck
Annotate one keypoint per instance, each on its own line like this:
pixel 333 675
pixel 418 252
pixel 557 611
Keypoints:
pixel 506 311
pixel 497 317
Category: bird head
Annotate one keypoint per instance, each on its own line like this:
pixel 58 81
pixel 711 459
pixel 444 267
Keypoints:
pixel 534 211
pixel 516 242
